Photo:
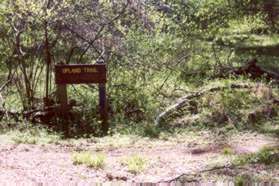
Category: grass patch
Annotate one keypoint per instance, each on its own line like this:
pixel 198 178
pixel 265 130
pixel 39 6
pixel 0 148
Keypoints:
pixel 228 151
pixel 269 127
pixel 135 164
pixel 243 180
pixel 266 156
pixel 33 135
pixel 234 108
pixel 96 161
pixel 23 139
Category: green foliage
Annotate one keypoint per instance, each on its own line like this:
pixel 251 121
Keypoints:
pixel 230 106
pixel 228 151
pixel 33 135
pixel 135 164
pixel 96 161
pixel 24 139
pixel 151 53
pixel 266 156
pixel 241 180
pixel 85 120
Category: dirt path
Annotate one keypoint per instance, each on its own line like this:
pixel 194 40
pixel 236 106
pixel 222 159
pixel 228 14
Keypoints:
pixel 167 159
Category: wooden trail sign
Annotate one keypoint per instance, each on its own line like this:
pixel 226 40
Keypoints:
pixel 78 74
pixel 83 74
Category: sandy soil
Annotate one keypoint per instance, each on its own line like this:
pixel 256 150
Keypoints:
pixel 167 159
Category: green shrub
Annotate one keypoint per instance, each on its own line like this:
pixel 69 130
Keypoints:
pixel 86 158
pixel 241 180
pixel 23 139
pixel 34 135
pixel 266 156
pixel 228 151
pixel 135 164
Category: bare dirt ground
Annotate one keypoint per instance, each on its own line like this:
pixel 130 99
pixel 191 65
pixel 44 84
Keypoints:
pixel 167 158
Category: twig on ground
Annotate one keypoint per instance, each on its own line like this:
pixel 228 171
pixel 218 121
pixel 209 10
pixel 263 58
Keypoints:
pixel 232 166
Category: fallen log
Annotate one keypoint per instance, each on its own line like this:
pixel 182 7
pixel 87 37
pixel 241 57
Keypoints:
pixel 250 69
pixel 255 71
pixel 271 50
pixel 184 100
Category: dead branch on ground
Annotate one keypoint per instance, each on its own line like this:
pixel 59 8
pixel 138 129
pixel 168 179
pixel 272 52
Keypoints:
pixel 184 100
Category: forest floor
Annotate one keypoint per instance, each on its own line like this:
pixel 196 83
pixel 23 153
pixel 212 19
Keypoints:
pixel 189 156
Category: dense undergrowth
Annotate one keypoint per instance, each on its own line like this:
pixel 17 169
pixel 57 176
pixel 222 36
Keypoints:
pixel 160 56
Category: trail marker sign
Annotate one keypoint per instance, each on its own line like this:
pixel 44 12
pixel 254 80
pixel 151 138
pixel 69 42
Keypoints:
pixel 78 74
pixel 83 74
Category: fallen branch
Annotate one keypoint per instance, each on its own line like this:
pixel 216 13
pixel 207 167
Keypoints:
pixel 255 71
pixel 251 69
pixel 271 50
pixel 203 171
pixel 184 100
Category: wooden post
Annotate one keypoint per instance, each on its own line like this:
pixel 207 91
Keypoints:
pixel 61 93
pixel 103 108
pixel 63 101
pixel 48 62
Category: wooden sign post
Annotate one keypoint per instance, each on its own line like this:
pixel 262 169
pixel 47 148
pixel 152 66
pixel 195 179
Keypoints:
pixel 83 74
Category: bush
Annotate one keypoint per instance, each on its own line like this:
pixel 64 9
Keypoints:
pixel 34 135
pixel 135 164
pixel 228 151
pixel 266 156
pixel 86 158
